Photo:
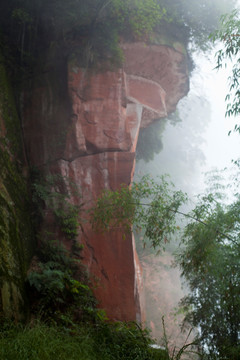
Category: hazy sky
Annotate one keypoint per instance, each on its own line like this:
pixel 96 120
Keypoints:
pixel 195 145
pixel 220 148
pixel 203 131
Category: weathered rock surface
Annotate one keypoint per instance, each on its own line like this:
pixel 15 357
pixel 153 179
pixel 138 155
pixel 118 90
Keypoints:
pixel 161 64
pixel 90 135
pixel 16 235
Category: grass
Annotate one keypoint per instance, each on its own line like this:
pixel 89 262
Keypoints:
pixel 42 342
pixel 104 342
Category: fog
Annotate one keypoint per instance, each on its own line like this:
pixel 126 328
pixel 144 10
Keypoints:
pixel 200 141
pixel 195 145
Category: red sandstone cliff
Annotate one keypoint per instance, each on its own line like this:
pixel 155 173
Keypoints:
pixel 89 133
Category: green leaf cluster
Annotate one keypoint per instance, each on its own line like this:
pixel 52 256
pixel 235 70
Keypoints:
pixel 228 56
pixel 57 276
pixel 59 283
pixel 100 341
pixel 53 193
pixel 210 261
pixel 149 206
pixel 208 256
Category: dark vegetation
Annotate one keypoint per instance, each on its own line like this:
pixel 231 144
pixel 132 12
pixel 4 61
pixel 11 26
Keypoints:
pixel 101 341
pixel 150 138
pixel 91 30
pixel 149 141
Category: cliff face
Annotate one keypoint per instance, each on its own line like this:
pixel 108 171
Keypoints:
pixel 84 125
pixel 16 235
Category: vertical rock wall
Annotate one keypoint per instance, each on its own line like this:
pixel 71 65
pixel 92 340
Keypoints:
pixel 16 236
pixel 88 133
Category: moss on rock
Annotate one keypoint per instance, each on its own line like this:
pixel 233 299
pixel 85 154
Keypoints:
pixel 16 235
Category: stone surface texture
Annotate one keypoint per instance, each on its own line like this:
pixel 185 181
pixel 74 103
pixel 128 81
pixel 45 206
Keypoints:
pixel 89 134
pixel 16 233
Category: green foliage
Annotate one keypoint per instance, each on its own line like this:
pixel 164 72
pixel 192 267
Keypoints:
pixel 210 263
pixel 97 342
pixel 54 193
pixel 229 35
pixel 59 282
pixel 149 206
pixel 126 341
pixel 209 257
pixel 96 24
pixel 150 141
pixel 31 28
pixel 150 138
pixel 68 219
pixel 42 342
pixel 139 16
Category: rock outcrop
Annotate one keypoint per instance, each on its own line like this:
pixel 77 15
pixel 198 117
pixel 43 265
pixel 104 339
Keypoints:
pixel 88 133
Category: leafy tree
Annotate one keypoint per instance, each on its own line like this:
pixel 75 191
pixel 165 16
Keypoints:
pixel 209 256
pixel 229 35
pixel 210 262
pixel 149 206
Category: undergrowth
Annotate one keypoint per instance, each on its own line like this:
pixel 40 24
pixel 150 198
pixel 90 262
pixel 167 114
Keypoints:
pixel 65 322
pixel 101 341
pixel 42 342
